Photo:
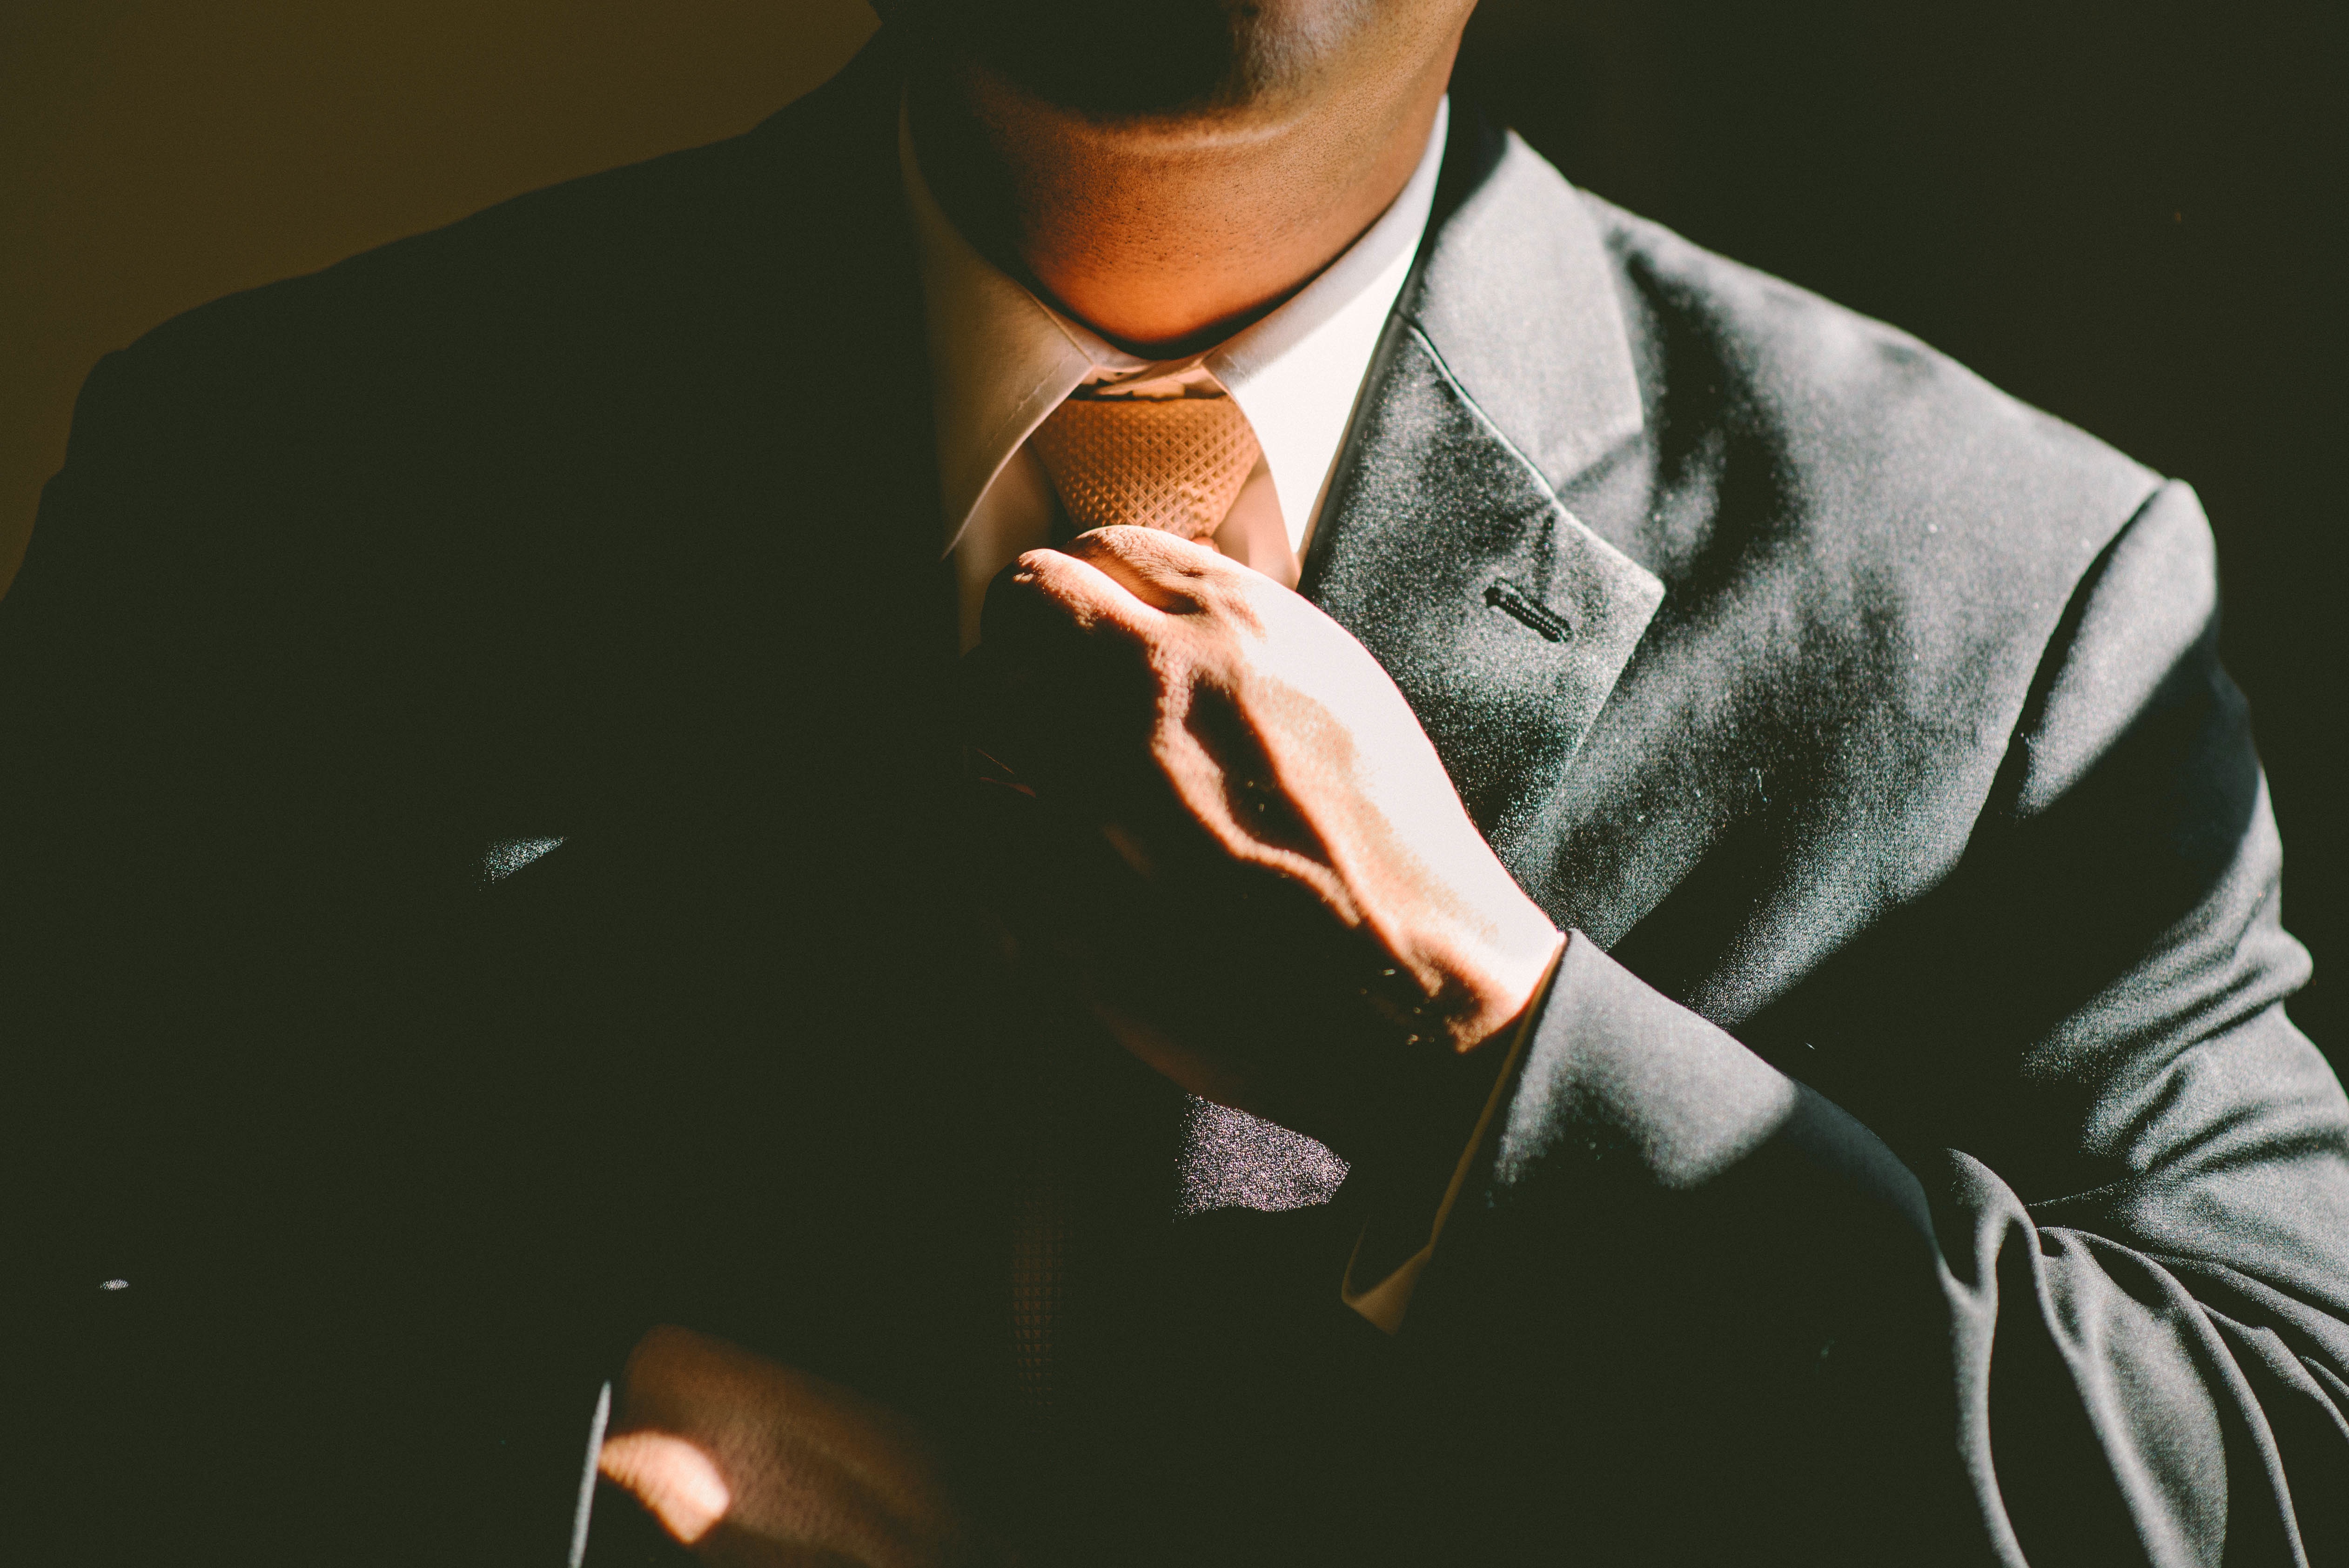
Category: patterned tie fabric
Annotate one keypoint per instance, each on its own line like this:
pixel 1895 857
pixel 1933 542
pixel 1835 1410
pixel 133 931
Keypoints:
pixel 1224 1158
pixel 1040 1226
pixel 1171 463
pixel 1175 464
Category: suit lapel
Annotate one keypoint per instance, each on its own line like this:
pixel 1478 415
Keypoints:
pixel 1505 373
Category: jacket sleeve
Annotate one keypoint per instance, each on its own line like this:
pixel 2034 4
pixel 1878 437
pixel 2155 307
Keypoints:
pixel 91 811
pixel 2061 1274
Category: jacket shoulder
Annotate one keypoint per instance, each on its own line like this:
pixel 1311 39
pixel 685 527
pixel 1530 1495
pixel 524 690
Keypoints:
pixel 1873 439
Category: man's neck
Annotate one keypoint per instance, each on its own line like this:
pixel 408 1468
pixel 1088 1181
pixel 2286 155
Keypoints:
pixel 1168 234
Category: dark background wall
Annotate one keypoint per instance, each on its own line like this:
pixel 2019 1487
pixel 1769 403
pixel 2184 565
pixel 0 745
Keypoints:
pixel 2127 214
pixel 155 154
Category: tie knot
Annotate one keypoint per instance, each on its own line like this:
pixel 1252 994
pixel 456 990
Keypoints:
pixel 1171 463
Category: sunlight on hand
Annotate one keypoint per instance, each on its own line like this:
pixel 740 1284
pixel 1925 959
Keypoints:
pixel 677 1483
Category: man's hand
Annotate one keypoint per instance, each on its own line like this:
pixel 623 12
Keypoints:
pixel 1309 925
pixel 758 1465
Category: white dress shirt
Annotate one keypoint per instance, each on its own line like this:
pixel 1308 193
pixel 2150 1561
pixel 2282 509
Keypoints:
pixel 1002 359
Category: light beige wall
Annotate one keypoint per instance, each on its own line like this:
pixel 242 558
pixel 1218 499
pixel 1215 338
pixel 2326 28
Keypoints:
pixel 156 155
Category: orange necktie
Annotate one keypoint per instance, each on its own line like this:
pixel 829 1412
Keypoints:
pixel 1170 463
pixel 1175 464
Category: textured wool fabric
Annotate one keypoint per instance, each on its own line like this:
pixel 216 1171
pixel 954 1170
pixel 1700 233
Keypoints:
pixel 1914 1162
pixel 1174 464
pixel 1231 1159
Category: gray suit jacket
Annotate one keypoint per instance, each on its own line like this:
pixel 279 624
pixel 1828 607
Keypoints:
pixel 1913 1163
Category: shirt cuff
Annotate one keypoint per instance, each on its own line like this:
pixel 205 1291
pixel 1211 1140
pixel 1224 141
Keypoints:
pixel 1384 1299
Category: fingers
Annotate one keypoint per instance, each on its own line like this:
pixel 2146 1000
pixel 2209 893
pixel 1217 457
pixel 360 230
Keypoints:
pixel 750 1460
pixel 1172 576
pixel 1168 573
pixel 677 1475
pixel 1083 593
pixel 1048 601
pixel 1086 647
pixel 1123 579
pixel 676 1481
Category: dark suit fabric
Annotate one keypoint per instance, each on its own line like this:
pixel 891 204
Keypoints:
pixel 1913 1163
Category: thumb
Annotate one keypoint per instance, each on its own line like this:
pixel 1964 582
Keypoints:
pixel 672 1478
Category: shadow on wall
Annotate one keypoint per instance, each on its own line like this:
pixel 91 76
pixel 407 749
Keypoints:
pixel 156 155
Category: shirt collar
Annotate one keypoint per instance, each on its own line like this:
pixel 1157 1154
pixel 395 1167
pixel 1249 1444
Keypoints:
pixel 1002 359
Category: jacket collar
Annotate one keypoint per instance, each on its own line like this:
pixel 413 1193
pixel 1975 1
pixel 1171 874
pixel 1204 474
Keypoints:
pixel 1505 373
pixel 1517 293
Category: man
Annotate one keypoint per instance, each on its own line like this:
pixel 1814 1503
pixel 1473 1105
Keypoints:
pixel 1691 921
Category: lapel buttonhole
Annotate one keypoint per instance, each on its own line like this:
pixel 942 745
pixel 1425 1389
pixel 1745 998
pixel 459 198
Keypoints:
pixel 1512 599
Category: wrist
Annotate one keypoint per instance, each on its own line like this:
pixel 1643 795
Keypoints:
pixel 1500 974
pixel 1429 1104
pixel 1409 1193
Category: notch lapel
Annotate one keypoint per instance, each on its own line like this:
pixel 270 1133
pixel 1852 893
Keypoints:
pixel 1505 373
